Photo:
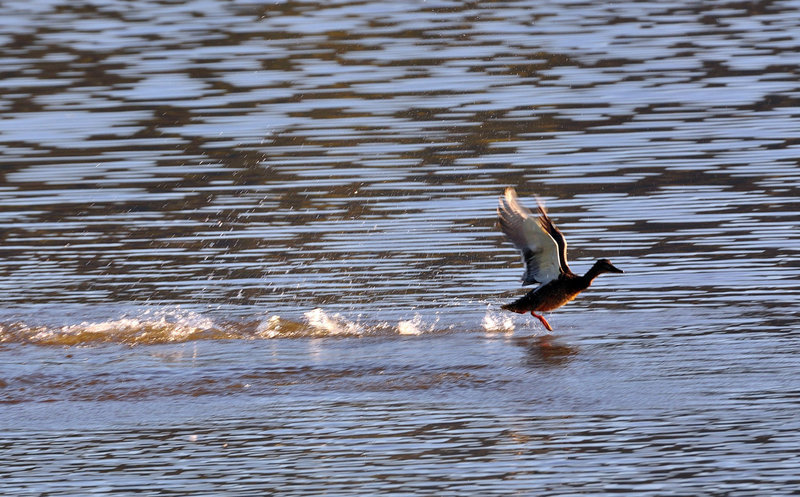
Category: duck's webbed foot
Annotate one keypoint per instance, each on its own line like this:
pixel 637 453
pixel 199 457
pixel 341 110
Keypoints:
pixel 543 320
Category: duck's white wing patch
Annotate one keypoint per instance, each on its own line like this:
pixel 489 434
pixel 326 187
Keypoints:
pixel 539 249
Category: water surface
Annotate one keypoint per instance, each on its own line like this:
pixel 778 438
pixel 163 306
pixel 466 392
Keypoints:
pixel 251 249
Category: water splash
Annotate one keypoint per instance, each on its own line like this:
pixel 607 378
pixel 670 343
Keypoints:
pixel 175 325
pixel 151 326
pixel 334 324
pixel 416 326
pixel 272 327
pixel 495 322
pixel 318 323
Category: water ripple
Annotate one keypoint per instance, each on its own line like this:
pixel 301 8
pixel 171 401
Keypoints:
pixel 240 232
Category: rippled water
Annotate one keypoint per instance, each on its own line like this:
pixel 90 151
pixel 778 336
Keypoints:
pixel 250 248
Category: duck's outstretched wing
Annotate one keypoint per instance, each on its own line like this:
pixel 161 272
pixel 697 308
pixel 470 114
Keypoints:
pixel 547 224
pixel 539 249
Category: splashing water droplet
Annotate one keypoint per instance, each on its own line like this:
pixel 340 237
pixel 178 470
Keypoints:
pixel 494 322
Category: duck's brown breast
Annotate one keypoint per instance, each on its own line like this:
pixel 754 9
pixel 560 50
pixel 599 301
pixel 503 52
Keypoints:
pixel 556 298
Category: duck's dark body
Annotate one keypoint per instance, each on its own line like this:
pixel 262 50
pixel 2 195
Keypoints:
pixel 548 297
pixel 558 292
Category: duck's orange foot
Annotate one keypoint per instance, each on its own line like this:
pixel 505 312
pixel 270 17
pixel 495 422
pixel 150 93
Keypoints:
pixel 543 320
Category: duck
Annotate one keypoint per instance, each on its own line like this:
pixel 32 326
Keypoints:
pixel 544 254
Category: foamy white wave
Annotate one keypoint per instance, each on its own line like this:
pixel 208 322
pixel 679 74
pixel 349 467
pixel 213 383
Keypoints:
pixel 415 326
pixel 273 327
pixel 172 325
pixel 494 322
pixel 319 323
pixel 151 326
pixel 334 324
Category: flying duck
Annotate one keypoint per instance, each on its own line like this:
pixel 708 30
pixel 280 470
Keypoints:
pixel 544 252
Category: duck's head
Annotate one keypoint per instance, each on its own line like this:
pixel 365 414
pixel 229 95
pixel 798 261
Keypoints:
pixel 605 266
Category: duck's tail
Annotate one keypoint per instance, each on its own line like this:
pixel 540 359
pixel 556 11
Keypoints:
pixel 517 306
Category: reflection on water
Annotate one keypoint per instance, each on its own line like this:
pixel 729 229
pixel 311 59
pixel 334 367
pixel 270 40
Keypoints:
pixel 237 233
pixel 546 349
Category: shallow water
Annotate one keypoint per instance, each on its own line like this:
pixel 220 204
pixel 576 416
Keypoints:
pixel 250 249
